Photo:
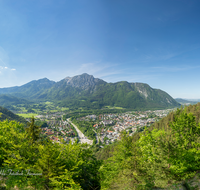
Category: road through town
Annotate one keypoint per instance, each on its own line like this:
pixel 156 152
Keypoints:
pixel 81 136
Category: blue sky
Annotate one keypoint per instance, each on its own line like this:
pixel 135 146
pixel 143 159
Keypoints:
pixel 151 41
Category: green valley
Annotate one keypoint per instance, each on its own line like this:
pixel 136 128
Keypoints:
pixel 139 137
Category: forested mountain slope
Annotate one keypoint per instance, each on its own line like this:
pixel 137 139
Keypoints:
pixel 132 95
pixel 6 114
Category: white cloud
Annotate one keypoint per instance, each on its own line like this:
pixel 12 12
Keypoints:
pixel 5 69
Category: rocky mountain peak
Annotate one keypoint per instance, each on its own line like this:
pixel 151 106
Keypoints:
pixel 84 81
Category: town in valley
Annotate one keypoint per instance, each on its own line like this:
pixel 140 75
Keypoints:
pixel 106 127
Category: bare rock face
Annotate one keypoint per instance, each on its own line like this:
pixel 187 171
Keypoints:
pixel 142 89
pixel 83 81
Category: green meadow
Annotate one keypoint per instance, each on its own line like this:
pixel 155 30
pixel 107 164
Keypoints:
pixel 27 115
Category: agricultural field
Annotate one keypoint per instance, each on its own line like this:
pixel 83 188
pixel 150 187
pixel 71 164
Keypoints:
pixel 113 107
pixel 30 110
pixel 27 115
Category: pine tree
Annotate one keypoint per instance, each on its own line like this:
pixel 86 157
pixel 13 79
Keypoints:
pixel 17 153
pixel 186 134
pixel 64 182
pixel 50 161
pixel 33 131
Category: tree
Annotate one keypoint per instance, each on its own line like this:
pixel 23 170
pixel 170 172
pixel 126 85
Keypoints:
pixel 186 134
pixel 58 165
pixel 154 158
pixel 122 169
pixel 64 181
pixel 171 154
pixel 18 155
pixel 50 162
pixel 33 131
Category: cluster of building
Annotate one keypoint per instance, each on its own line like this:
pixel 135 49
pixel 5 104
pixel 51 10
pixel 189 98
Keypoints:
pixel 50 116
pixel 57 130
pixel 109 126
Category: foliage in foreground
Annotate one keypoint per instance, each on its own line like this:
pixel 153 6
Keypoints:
pixel 26 160
pixel 155 158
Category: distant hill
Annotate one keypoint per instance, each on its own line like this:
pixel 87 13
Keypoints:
pixel 6 114
pixel 7 100
pixel 88 92
pixel 193 100
pixel 29 90
pixel 185 101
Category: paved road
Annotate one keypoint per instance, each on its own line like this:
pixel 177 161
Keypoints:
pixel 97 137
pixel 81 136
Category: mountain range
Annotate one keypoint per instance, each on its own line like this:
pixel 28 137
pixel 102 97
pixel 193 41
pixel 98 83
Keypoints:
pixel 88 92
